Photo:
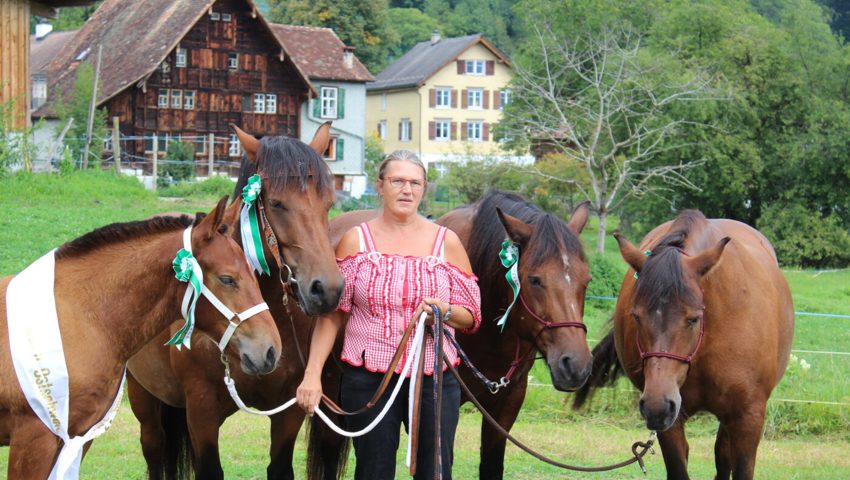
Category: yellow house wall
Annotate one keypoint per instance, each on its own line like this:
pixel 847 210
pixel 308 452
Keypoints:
pixel 403 104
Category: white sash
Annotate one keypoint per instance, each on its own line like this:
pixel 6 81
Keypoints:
pixel 39 360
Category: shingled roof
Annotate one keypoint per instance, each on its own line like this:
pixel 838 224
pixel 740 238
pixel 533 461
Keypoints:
pixel 319 53
pixel 425 59
pixel 136 37
pixel 43 50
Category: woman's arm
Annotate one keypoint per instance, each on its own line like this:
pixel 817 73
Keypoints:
pixel 455 254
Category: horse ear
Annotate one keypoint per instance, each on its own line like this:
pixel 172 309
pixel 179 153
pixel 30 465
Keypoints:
pixel 231 215
pixel 518 231
pixel 250 144
pixel 579 217
pixel 320 141
pixel 705 261
pixel 210 224
pixel 634 257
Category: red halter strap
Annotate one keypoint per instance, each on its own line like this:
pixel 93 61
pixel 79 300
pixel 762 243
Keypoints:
pixel 682 358
pixel 547 324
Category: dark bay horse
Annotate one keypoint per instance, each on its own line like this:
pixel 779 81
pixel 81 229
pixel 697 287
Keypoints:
pixel 179 398
pixel 103 280
pixel 553 274
pixel 705 325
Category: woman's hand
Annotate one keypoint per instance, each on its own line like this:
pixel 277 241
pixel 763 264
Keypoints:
pixel 309 393
pixel 425 306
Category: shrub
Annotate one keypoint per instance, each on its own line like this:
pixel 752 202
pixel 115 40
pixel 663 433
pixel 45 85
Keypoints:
pixel 805 238
pixel 215 186
pixel 179 164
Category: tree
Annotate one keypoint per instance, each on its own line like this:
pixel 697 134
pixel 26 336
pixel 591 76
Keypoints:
pixel 75 104
pixel 596 99
pixel 410 27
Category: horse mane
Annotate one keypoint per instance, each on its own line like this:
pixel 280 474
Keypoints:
pixel 661 279
pixel 284 160
pixel 550 235
pixel 122 232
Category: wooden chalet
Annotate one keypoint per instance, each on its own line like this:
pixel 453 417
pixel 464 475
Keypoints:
pixel 187 69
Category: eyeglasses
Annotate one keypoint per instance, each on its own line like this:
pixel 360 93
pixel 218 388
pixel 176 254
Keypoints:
pixel 398 184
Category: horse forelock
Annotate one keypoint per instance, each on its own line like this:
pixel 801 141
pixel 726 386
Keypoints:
pixel 122 232
pixel 287 163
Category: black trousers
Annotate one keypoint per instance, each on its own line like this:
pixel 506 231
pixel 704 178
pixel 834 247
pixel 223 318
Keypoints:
pixel 376 451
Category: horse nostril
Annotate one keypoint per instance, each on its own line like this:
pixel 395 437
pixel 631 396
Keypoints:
pixel 671 407
pixel 565 363
pixel 641 404
pixel 317 289
pixel 270 356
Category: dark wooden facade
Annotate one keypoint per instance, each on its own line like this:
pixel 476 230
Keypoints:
pixel 222 95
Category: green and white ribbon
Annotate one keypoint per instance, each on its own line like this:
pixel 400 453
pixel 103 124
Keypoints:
pixel 252 241
pixel 187 269
pixel 509 255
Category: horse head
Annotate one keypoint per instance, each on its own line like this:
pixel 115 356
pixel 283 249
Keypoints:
pixel 227 275
pixel 667 308
pixel 553 275
pixel 297 193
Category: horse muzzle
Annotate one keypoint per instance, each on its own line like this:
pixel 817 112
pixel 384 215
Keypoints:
pixel 568 373
pixel 660 411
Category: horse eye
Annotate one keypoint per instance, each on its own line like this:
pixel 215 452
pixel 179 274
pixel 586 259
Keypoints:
pixel 277 205
pixel 636 318
pixel 535 281
pixel 227 281
pixel 693 320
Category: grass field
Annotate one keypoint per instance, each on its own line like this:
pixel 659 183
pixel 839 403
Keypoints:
pixel 802 440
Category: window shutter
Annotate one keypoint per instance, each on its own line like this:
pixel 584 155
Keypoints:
pixel 454 98
pixel 410 133
pixel 432 130
pixel 464 98
pixel 454 130
pixel 399 130
pixel 317 108
pixel 497 99
pixel 461 67
pixel 491 65
pixel 485 132
pixel 464 132
pixel 340 103
pixel 378 128
pixel 485 99
pixel 432 98
pixel 340 148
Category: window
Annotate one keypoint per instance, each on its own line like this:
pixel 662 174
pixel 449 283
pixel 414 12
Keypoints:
pixel 107 141
pixel 442 168
pixel 259 103
pixel 232 61
pixel 329 102
pixel 246 103
pixel 444 98
pixel 177 99
pixel 404 130
pixel 475 67
pixel 504 98
pixel 383 102
pixel 334 151
pixel 200 144
pixel 473 98
pixel 226 17
pixel 271 103
pixel 161 144
pixel 180 58
pixel 442 130
pixel 163 98
pixel 189 100
pixel 382 129
pixel 234 149
pixel 215 16
pixel 39 90
pixel 473 131
pixel 165 67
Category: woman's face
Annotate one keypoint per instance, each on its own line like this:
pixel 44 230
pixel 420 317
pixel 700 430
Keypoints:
pixel 402 187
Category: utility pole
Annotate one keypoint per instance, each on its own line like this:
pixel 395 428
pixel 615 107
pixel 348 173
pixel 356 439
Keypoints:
pixel 116 144
pixel 91 108
pixel 211 154
pixel 155 155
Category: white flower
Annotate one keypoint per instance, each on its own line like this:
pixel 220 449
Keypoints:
pixel 793 358
pixel 805 365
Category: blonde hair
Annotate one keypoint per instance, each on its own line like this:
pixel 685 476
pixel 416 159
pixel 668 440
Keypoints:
pixel 401 156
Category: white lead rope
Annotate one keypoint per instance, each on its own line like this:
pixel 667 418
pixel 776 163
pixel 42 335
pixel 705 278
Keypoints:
pixel 408 365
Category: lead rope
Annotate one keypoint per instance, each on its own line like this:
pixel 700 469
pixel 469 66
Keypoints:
pixel 437 332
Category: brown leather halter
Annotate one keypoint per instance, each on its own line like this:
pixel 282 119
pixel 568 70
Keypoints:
pixel 682 358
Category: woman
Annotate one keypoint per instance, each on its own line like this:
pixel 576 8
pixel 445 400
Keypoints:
pixel 396 266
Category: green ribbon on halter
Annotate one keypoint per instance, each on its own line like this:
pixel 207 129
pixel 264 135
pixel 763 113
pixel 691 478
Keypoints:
pixel 252 241
pixel 509 255
pixel 187 269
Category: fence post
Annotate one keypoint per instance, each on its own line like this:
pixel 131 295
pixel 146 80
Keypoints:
pixel 116 144
pixel 155 155
pixel 211 154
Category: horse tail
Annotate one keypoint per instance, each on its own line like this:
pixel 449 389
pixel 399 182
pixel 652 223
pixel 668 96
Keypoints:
pixel 606 369
pixel 177 448
pixel 327 452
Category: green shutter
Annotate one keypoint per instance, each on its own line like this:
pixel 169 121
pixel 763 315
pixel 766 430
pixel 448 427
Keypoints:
pixel 317 108
pixel 340 110
pixel 340 148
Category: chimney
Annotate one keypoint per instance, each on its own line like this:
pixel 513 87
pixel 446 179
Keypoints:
pixel 348 56
pixel 42 29
pixel 435 37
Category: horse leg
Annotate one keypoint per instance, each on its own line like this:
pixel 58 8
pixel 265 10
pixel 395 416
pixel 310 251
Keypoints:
pixel 285 426
pixel 723 454
pixel 745 431
pixel 505 411
pixel 674 448
pixel 33 450
pixel 146 408
pixel 202 414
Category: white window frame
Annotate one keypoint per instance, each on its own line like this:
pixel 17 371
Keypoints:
pixel 259 103
pixel 163 98
pixel 200 143
pixel 271 103
pixel 329 98
pixel 189 100
pixel 447 136
pixel 474 131
pixel 475 93
pixel 475 67
pixel 444 94
pixel 215 16
pixel 107 141
pixel 165 67
pixel 233 61
pixel 332 144
pixel 383 102
pixel 226 17
pixel 180 58
pixel 234 148
pixel 404 135
pixel 176 98
pixel 382 129
pixel 504 98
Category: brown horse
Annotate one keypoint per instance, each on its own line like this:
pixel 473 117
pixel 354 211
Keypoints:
pixel 705 325
pixel 553 275
pixel 106 278
pixel 179 397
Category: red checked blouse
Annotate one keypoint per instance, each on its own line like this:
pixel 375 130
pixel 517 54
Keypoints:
pixel 381 293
